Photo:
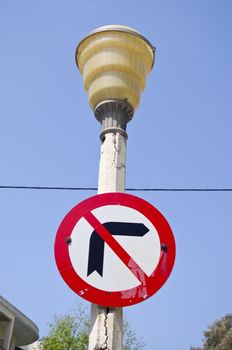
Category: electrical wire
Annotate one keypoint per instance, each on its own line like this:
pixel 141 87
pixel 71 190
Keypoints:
pixel 128 189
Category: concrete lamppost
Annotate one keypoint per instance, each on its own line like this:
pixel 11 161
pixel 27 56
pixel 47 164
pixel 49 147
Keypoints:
pixel 114 61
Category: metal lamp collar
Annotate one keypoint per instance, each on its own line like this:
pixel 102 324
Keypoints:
pixel 113 116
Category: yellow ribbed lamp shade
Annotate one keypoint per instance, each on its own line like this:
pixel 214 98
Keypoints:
pixel 114 61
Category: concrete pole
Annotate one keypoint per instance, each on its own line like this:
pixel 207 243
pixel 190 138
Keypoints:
pixel 107 323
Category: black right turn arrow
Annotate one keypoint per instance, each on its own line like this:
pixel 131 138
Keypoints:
pixel 97 244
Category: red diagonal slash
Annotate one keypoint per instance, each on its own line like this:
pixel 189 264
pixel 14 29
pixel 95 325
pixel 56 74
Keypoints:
pixel 116 247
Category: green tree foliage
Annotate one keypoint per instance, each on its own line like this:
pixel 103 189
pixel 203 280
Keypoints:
pixel 71 331
pixel 67 332
pixel 219 335
pixel 130 340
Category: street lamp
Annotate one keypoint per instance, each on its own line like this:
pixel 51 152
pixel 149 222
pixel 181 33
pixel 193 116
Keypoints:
pixel 114 61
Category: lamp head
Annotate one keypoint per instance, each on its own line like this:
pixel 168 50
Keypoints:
pixel 114 61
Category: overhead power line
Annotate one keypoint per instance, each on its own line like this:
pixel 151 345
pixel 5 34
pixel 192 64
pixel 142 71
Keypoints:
pixel 128 189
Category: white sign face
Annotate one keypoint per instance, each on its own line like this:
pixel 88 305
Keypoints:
pixel 97 264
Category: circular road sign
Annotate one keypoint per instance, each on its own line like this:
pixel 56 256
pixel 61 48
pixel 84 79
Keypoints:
pixel 114 249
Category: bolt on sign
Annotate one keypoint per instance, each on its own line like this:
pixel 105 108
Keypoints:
pixel 115 249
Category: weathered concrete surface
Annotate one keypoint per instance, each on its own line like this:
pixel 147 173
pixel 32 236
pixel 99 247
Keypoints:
pixel 107 323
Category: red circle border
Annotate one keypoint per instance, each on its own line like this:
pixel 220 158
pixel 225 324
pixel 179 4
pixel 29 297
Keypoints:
pixel 131 296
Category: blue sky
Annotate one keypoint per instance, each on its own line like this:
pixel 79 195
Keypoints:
pixel 180 137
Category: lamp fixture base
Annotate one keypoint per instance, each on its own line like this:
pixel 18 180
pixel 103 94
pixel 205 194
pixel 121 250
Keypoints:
pixel 113 116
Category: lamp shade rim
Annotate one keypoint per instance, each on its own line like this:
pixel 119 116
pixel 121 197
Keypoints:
pixel 116 28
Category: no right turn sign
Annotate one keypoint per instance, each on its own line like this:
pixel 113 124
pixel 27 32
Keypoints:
pixel 115 249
